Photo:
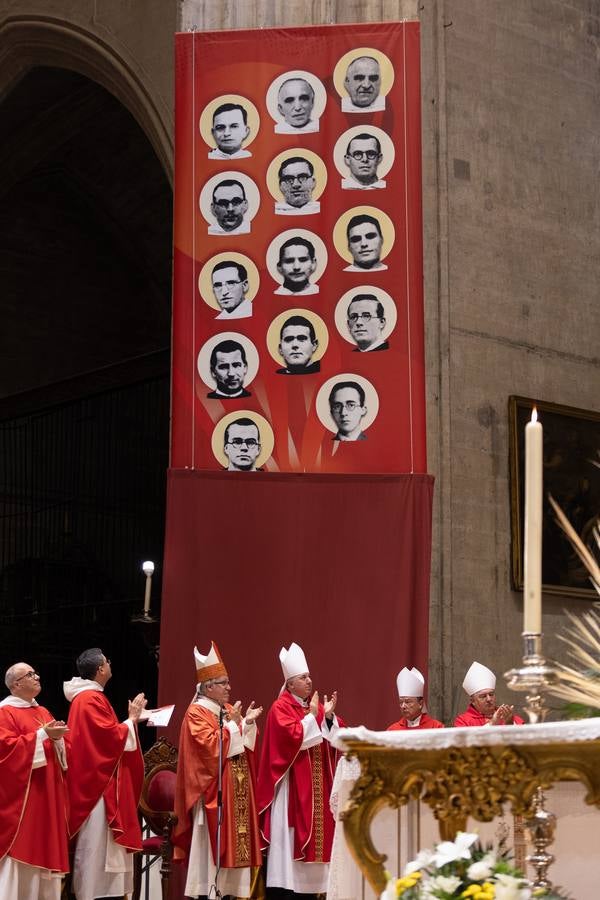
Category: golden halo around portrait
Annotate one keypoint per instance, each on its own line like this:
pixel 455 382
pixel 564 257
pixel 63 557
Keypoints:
pixel 205 276
pixel 203 360
pixel 389 308
pixel 250 189
pixel 267 438
pixel 388 152
pixel 206 118
pixel 317 86
pixel 274 329
pixel 322 401
pixel 278 240
pixel 385 67
pixel 318 166
pixel 339 230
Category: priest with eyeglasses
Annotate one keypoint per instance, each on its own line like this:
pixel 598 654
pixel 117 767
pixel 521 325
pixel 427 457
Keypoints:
pixel 33 825
pixel 219 841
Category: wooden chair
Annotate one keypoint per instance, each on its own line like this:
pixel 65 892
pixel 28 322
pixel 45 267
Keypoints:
pixel 156 806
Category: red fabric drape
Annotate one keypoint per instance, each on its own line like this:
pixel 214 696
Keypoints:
pixel 339 564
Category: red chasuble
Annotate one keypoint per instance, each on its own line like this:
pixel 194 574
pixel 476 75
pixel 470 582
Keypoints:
pixel 33 819
pixel 472 719
pixel 99 767
pixel 197 770
pixel 310 780
pixel 426 722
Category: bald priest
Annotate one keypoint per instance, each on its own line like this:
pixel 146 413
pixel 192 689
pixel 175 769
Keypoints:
pixel 33 822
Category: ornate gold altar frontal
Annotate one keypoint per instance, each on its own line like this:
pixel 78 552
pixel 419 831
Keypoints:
pixel 461 773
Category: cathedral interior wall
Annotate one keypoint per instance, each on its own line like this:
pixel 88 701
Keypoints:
pixel 510 134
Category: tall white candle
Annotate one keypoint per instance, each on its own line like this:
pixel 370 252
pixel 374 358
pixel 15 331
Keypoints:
pixel 147 594
pixel 532 596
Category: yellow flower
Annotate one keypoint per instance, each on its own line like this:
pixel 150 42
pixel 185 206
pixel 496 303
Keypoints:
pixel 409 881
pixel 485 891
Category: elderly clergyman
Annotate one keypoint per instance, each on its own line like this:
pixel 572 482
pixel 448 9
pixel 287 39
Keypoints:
pixel 295 101
pixel 411 687
pixel 480 685
pixel 209 719
pixel 106 771
pixel 33 825
pixel 295 779
pixel 363 83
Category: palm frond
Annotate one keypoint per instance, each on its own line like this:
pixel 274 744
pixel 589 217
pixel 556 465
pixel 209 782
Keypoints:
pixel 580 685
pixel 583 552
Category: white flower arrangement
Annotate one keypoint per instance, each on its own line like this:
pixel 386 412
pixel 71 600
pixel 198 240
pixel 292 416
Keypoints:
pixel 463 869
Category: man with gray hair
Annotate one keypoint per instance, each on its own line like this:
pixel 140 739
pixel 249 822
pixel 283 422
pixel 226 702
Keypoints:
pixel 295 101
pixel 104 781
pixel 33 830
pixel 214 730
pixel 363 83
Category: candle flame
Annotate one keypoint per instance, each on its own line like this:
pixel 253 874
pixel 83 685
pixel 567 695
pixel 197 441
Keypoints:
pixel 534 415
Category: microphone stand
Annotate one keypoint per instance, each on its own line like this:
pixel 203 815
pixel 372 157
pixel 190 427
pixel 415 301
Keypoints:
pixel 217 892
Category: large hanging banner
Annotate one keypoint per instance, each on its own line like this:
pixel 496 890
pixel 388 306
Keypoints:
pixel 298 308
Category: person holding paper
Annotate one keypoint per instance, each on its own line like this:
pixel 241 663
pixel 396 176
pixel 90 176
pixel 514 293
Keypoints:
pixel 105 776
pixel 33 827
pixel 480 685
pixel 295 780
pixel 213 729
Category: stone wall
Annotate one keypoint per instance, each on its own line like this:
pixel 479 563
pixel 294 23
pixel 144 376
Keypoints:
pixel 511 134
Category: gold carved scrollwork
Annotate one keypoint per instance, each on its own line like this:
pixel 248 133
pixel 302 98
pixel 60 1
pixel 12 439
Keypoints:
pixel 475 782
pixel 458 783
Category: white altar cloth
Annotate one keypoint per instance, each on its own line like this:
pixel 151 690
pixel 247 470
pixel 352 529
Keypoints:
pixel 402 833
pixel 442 738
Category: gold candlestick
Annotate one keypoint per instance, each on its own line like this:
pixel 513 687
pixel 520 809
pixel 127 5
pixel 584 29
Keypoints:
pixel 535 677
pixel 539 828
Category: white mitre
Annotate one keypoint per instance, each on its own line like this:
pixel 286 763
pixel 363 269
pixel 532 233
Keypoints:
pixel 293 661
pixel 479 678
pixel 410 683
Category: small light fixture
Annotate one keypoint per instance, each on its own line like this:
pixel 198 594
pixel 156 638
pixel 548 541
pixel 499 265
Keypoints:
pixel 147 569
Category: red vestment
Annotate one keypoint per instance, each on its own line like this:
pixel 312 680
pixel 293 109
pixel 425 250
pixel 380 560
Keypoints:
pixel 100 767
pixel 197 771
pixel 425 722
pixel 472 719
pixel 310 780
pixel 33 819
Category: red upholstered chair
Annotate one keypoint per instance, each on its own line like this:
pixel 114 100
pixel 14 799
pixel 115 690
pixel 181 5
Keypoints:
pixel 156 807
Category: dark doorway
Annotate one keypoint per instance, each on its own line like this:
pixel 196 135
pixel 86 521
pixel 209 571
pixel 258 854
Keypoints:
pixel 85 255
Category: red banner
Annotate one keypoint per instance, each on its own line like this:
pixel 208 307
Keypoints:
pixel 298 313
pixel 338 563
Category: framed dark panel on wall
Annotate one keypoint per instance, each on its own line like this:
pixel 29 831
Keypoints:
pixel 571 475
